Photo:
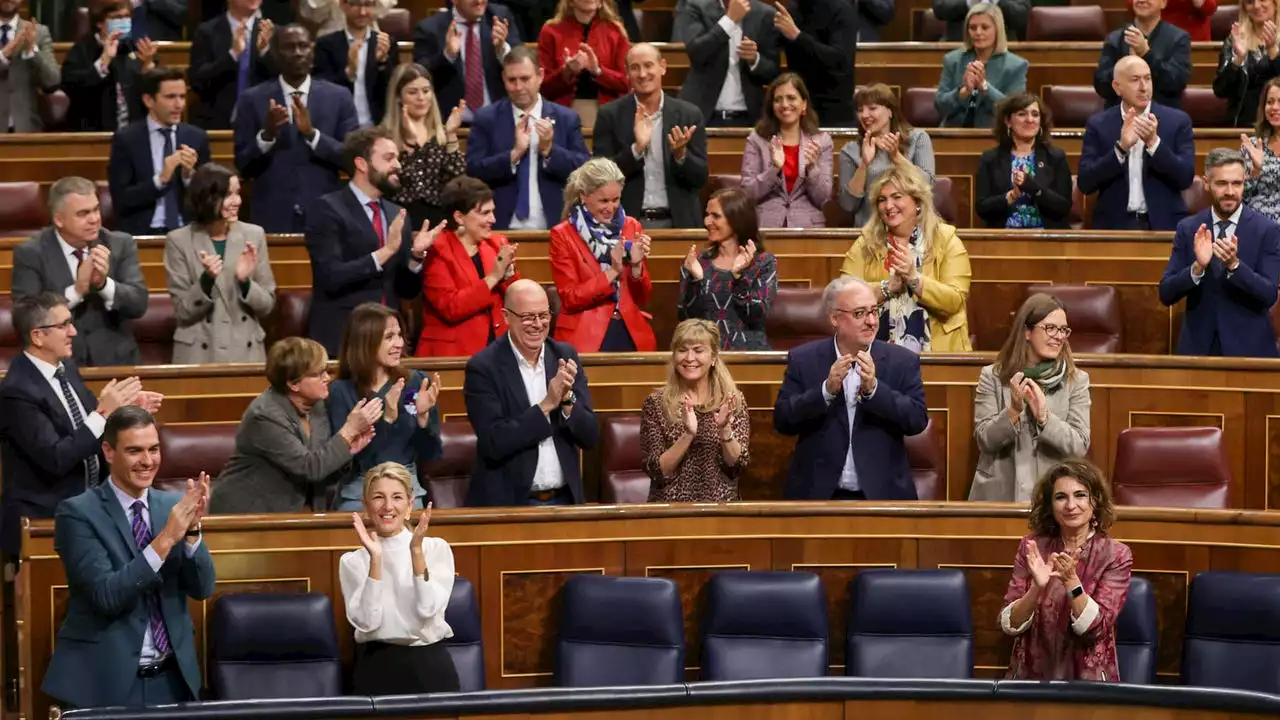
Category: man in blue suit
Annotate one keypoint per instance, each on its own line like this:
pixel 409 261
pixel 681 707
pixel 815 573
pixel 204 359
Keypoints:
pixel 1226 263
pixel 1138 157
pixel 289 135
pixel 525 147
pixel 133 557
pixel 851 399
pixel 444 43
pixel 153 160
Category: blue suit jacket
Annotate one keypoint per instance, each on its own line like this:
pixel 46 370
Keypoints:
pixel 95 659
pixel 291 176
pixel 450 78
pixel 131 173
pixel 1235 308
pixel 1165 174
pixel 493 134
pixel 879 454
pixel 509 427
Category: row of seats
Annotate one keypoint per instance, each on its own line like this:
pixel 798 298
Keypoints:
pixel 1072 105
pixel 1070 23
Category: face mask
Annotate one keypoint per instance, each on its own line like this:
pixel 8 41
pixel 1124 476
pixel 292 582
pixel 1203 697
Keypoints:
pixel 120 25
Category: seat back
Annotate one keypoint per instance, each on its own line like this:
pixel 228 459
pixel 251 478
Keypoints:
pixel 289 316
pixel 1137 634
pixel 10 345
pixel 1071 105
pixel 106 206
pixel 448 477
pixel 1183 467
pixel 188 450
pixel 797 316
pixel 761 625
pixel 1196 197
pixel 1232 638
pixel 398 24
pixel 1093 312
pixel 52 108
pixel 926 27
pixel 619 631
pixel 22 212
pixel 1078 23
pixel 273 645
pixel 944 200
pixel 1205 108
pixel 1075 218
pixel 909 624
pixel 154 330
pixel 625 480
pixel 918 107
pixel 926 469
pixel 657 24
pixel 466 646
pixel 1221 21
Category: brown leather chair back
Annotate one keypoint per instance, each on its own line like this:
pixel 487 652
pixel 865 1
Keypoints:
pixel 106 206
pixel 1081 23
pixel 926 470
pixel 926 27
pixel 918 107
pixel 447 478
pixel 289 316
pixel 1093 312
pixel 188 450
pixel 154 330
pixel 943 201
pixel 797 316
pixel 1076 218
pixel 22 211
pixel 656 24
pixel 53 107
pixel 625 480
pixel 9 343
pixel 79 24
pixel 1196 197
pixel 1205 108
pixel 720 182
pixel 398 24
pixel 1071 105
pixel 1183 467
pixel 1221 21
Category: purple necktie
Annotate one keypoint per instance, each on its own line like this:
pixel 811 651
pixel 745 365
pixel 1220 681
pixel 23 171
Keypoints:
pixel 142 534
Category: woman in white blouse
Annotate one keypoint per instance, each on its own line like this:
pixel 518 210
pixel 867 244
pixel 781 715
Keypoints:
pixel 396 589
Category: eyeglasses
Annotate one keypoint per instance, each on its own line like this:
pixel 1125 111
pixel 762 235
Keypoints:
pixel 859 313
pixel 58 326
pixel 531 319
pixel 1056 331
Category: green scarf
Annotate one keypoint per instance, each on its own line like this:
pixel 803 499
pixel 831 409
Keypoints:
pixel 1049 374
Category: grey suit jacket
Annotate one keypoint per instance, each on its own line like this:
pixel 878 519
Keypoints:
pixel 1006 75
pixel 226 325
pixel 275 467
pixel 26 75
pixel 698 26
pixel 104 336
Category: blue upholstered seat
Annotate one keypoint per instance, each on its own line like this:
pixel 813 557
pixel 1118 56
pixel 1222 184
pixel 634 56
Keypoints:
pixel 465 647
pixel 1137 634
pixel 273 645
pixel 619 631
pixel 764 625
pixel 909 624
pixel 1233 632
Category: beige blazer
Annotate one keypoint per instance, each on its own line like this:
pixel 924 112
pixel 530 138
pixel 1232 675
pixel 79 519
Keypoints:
pixel 227 325
pixel 1011 459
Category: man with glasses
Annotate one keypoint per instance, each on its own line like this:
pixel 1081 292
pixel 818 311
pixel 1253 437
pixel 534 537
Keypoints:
pixel 851 399
pixel 527 399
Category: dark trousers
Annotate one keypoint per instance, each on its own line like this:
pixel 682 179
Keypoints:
pixel 842 494
pixel 561 497
pixel 387 669
pixel 1138 221
pixel 617 338
pixel 166 688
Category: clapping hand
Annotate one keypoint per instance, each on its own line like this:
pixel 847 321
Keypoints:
pixel 1226 250
pixel 746 256
pixel 748 50
pixel 247 262
pixel 546 129
pixel 722 416
pixel 1147 127
pixel 866 368
pixel 428 393
pixel 265 30
pixel 836 375
pixel 776 152
pixel 574 63
pixel 277 117
pixel 145 49
pixel 302 118
pixel 1017 398
pixel 591 63
pixel 1137 41
pixel 367 541
pixel 425 238
pixel 501 28
pixel 420 530
pixel 678 140
pixel 1041 570
pixel 692 265
pixel 117 394
pixel 889 142
pixel 212 263
pixel 110 48
pixel 1064 568
pixel 690 414
pixel 1036 400
pixel 453 40
pixel 643 129
pixel 1238 47
pixel 1203 246
pixel 811 152
pixel 149 401
pixel 383 49
pixel 391 401
pixel 100 257
pixel 1129 134
pixel 454 121
pixel 641 248
pixel 1253 148
pixel 870 143
pixel 784 22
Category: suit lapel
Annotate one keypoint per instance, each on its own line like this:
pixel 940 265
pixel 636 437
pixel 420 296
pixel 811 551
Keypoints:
pixel 509 368
pixel 1004 171
pixel 235 244
pixel 827 358
pixel 368 237
pixel 55 263
pixel 57 412
pixel 118 518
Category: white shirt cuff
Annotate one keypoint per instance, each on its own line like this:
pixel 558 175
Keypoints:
pixel 73 297
pixel 156 179
pixel 1006 619
pixel 314 141
pixel 102 71
pixel 96 423
pixel 1121 156
pixel 189 549
pixel 634 154
pixel 826 396
pixel 153 558
pixel 728 25
pixel 754 63
pixel 1194 277
pixel 4 61
pixel 1151 149
pixel 108 294
pixel 376 264
pixel 415 265
pixel 502 52
pixel 264 145
pixel 1082 624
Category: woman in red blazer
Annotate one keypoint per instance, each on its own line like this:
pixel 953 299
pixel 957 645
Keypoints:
pixel 583 54
pixel 465 274
pixel 598 264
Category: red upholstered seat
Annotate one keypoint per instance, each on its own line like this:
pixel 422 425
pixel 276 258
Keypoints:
pixel 797 316
pixel 1093 312
pixel 1067 24
pixel 943 201
pixel 926 27
pixel 106 206
pixel 9 344
pixel 188 450
pixel 1223 18
pixel 289 316
pixel 1071 105
pixel 923 451
pixel 918 107
pixel 52 107
pixel 22 211
pixel 1205 108
pixel 657 25
pixel 1076 218
pixel 447 478
pixel 625 480
pixel 398 24
pixel 1196 197
pixel 1172 467
pixel 154 330
pixel 721 182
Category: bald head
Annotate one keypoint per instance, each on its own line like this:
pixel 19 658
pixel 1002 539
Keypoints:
pixel 645 68
pixel 1131 80
pixel 643 49
pixel 526 296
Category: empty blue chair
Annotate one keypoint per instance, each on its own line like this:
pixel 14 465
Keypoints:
pixel 1233 632
pixel 1137 634
pixel 909 624
pixel 273 645
pixel 761 625
pixel 620 631
pixel 465 646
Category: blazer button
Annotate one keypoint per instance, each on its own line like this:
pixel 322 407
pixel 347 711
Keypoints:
pixel 244 318
pixel 204 346
pixel 249 344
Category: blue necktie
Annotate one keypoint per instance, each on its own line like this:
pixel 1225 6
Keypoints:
pixel 155 619
pixel 172 215
pixel 522 177
pixel 242 74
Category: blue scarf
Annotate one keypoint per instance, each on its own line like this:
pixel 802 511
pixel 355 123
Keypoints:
pixel 600 237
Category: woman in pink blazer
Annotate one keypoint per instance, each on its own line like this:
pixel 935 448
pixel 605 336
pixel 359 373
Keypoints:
pixel 787 165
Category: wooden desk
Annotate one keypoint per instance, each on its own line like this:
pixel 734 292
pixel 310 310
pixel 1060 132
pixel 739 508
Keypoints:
pixel 519 558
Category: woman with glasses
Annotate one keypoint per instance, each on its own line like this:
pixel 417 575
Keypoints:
pixel 598 262
pixel 1032 405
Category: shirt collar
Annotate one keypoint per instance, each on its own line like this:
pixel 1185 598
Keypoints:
pixel 67 250
pixel 13 24
pixel 304 88
pixel 45 368
pixel 234 23
pixel 153 126
pixel 363 199
pixel 368 33
pixel 1234 219
pixel 1124 109
pixel 536 112
pixel 126 500
pixel 520 359
pixel 463 21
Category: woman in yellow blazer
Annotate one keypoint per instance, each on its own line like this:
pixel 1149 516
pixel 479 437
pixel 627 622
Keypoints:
pixel 916 264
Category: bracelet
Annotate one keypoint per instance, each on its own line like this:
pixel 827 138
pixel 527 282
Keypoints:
pixel 732 437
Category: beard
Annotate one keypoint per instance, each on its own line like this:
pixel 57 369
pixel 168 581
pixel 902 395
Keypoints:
pixel 387 183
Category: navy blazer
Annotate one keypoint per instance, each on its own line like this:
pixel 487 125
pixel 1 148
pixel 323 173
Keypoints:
pixel 341 241
pixel 331 65
pixel 1234 307
pixel 895 410
pixel 132 172
pixel 508 427
pixel 450 79
pixel 213 71
pixel 95 660
pixel 41 452
pixel 493 134
pixel 1166 173
pixel 290 176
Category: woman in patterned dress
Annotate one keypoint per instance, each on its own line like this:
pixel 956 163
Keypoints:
pixel 1261 158
pixel 1023 182
pixel 429 154
pixel 695 431
pixel 733 282
pixel 1070 579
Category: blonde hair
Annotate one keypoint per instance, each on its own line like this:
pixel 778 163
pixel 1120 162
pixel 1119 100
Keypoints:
pixel 292 359
pixel 404 74
pixel 392 470
pixel 904 176
pixel 720 383
pixel 1250 33
pixel 588 178
pixel 564 11
pixel 997 16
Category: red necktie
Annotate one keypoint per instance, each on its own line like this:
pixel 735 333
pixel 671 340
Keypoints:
pixel 377 223
pixel 474 68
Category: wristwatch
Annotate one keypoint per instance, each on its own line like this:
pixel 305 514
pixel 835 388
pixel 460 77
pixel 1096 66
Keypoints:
pixel 568 399
pixel 196 533
pixel 1077 591
pixel 732 436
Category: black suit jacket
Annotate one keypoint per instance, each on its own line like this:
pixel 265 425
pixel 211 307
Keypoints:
pixel 1051 185
pixel 331 65
pixel 708 46
pixel 213 72
pixel 340 240
pixel 450 77
pixel 42 454
pixel 93 97
pixel 823 54
pixel 131 172
pixel 509 427
pixel 614 135
pixel 160 19
pixel 1169 58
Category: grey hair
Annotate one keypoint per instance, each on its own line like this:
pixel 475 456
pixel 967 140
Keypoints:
pixel 590 177
pixel 839 285
pixel 1220 157
pixel 69 186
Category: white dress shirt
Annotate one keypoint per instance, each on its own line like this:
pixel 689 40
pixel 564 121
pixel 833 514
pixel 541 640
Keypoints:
pixel 94 420
pixel 852 386
pixel 400 608
pixel 1233 222
pixel 655 165
pixel 537 219
pixel 464 27
pixel 415 265
pixel 1137 195
pixel 265 145
pixel 156 139
pixel 360 93
pixel 74 298
pixel 548 475
pixel 731 97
